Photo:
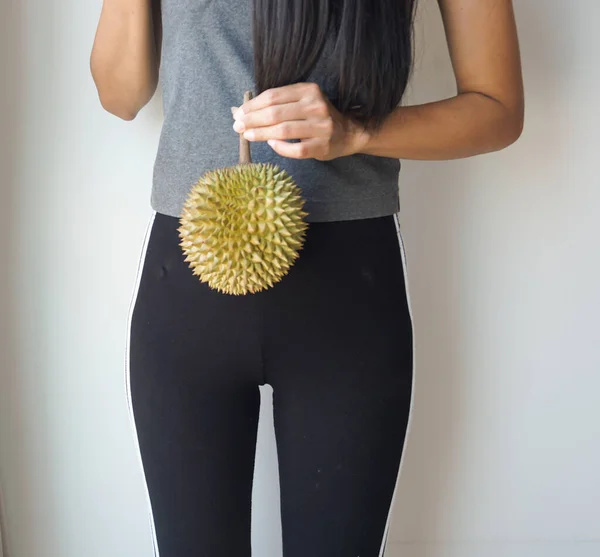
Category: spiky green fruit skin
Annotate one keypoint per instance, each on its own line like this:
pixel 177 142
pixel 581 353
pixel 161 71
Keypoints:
pixel 241 227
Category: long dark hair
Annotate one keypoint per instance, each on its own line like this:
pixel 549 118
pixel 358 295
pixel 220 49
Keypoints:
pixel 372 54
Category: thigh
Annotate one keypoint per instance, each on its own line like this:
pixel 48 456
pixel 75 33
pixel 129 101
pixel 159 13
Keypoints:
pixel 192 379
pixel 339 358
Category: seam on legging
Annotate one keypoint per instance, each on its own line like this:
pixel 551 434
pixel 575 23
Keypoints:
pixel 136 287
pixel 412 389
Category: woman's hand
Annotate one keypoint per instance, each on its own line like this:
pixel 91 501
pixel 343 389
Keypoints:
pixel 300 111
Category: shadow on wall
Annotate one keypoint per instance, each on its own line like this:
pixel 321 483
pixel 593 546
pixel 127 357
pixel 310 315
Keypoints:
pixel 435 215
pixel 433 204
pixel 12 421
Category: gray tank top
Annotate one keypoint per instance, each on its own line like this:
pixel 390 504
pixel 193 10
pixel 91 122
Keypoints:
pixel 206 66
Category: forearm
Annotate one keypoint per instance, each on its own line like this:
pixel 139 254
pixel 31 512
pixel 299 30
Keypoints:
pixel 124 60
pixel 462 126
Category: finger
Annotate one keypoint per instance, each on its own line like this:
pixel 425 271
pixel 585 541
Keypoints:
pixel 294 129
pixel 278 95
pixel 303 150
pixel 290 129
pixel 271 116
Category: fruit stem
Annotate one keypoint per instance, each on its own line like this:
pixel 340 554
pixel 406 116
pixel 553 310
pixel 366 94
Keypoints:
pixel 245 157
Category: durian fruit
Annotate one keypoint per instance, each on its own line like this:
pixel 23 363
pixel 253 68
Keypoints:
pixel 241 227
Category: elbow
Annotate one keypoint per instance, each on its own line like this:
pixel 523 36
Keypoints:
pixel 113 97
pixel 123 110
pixel 515 122
pixel 508 128
pixel 513 117
pixel 122 99
pixel 506 119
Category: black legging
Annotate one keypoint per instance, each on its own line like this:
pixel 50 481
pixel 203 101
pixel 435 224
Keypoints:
pixel 333 339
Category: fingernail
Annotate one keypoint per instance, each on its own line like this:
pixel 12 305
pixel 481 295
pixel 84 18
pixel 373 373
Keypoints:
pixel 249 135
pixel 239 126
pixel 238 113
pixel 233 109
pixel 271 142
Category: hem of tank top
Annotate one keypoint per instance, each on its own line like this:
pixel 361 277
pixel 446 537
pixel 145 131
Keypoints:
pixel 323 211
pixel 352 208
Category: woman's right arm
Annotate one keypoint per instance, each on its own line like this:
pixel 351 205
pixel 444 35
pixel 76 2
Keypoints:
pixel 126 55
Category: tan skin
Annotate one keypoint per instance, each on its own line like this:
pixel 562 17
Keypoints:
pixel 126 55
pixel 485 115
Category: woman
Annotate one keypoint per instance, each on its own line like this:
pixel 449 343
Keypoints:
pixel 334 337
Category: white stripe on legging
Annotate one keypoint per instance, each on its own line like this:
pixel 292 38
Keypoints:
pixel 127 382
pixel 412 395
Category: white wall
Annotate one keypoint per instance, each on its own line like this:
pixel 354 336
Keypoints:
pixel 504 270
